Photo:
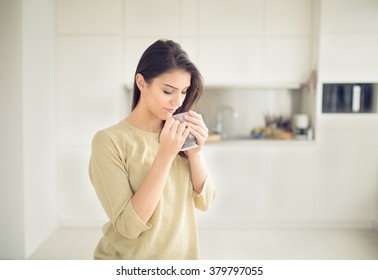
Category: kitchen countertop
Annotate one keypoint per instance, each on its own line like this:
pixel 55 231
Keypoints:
pixel 245 139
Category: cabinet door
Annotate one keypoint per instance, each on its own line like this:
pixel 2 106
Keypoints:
pixel 352 16
pixel 288 41
pixel 349 40
pixel 231 61
pixel 289 17
pixel 289 186
pixel 238 173
pixel 152 18
pixel 347 182
pixel 88 17
pixel 237 18
pixel 347 185
pixel 260 184
pixel 247 42
pixel 288 60
pixel 349 57
pixel 230 41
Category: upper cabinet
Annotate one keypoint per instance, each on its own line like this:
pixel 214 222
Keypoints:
pixel 152 18
pixel 239 42
pixel 349 41
pixel 88 17
pixel 255 42
pixel 288 41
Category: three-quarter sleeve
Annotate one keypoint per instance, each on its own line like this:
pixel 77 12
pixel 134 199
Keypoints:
pixel 206 196
pixel 110 180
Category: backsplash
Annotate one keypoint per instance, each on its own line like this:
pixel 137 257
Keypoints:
pixel 243 109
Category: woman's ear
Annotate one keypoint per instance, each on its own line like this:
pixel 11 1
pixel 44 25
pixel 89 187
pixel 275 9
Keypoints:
pixel 140 82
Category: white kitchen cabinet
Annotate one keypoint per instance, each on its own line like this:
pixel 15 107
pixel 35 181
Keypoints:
pixel 231 61
pixel 260 183
pixel 347 162
pixel 349 57
pixel 290 182
pixel 287 60
pixel 272 46
pixel 349 16
pixel 239 173
pixel 348 41
pixel 289 17
pixel 347 185
pixel 88 16
pixel 347 165
pixel 234 43
pixel 224 18
pixel 144 18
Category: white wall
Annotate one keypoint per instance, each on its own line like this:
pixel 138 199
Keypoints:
pixel 12 218
pixel 39 121
pixel 27 87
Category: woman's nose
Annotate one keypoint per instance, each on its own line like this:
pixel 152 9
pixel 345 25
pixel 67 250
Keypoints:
pixel 177 99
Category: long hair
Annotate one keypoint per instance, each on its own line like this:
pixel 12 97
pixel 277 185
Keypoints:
pixel 164 56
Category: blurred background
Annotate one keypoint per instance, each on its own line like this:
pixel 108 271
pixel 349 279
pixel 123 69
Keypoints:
pixel 290 99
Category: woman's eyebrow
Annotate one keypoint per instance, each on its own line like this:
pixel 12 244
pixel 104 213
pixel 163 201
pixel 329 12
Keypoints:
pixel 174 87
pixel 170 86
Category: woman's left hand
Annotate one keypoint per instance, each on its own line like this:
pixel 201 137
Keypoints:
pixel 198 129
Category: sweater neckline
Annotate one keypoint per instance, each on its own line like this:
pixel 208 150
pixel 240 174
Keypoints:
pixel 139 130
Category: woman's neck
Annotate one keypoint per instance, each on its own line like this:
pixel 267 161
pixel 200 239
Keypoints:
pixel 144 120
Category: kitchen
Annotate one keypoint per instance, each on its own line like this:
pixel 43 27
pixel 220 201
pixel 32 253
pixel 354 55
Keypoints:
pixel 261 60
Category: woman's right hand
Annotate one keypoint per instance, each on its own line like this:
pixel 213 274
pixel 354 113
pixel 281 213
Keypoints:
pixel 172 137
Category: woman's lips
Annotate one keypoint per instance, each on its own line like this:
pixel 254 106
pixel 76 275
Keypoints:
pixel 171 111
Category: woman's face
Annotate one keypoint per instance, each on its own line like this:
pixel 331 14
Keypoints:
pixel 166 93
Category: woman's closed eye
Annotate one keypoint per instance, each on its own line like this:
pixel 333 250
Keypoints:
pixel 170 92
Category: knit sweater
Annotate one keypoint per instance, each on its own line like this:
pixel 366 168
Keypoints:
pixel 121 157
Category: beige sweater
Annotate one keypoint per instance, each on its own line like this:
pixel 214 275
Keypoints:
pixel 121 157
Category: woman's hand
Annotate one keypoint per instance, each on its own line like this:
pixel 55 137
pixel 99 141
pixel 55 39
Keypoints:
pixel 172 137
pixel 198 129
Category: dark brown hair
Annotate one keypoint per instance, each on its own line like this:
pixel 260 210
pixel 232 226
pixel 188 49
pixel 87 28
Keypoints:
pixel 164 56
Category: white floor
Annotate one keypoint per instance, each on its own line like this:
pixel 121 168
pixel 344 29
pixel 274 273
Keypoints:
pixel 261 244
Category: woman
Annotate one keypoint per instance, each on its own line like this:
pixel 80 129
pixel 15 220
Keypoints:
pixel 147 187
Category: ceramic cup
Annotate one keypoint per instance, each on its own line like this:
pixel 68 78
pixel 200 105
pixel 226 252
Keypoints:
pixel 190 141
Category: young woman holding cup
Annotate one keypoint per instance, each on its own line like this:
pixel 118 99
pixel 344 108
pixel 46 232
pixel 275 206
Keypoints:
pixel 148 187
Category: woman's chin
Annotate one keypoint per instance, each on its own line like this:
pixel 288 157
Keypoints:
pixel 167 116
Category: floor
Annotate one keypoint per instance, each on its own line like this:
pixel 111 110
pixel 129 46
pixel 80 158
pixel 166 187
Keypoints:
pixel 261 244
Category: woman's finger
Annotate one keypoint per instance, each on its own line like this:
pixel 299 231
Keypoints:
pixel 181 128
pixel 168 124
pixel 195 118
pixel 199 138
pixel 200 129
pixel 175 125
